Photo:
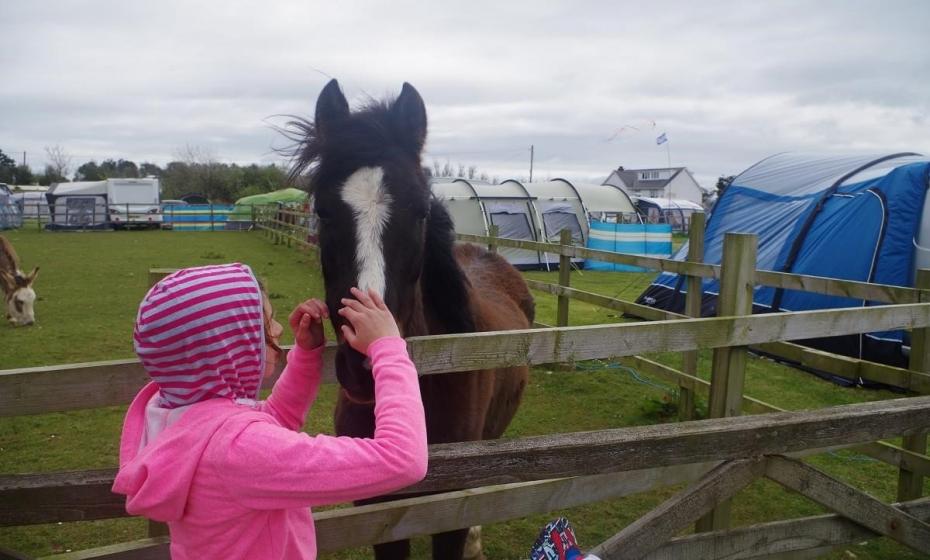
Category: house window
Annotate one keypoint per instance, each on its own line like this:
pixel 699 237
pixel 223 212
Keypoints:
pixel 649 175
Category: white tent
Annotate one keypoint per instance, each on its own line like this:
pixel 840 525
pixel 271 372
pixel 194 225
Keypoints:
pixel 32 203
pixel 78 205
pixel 532 211
pixel 675 211
pixel 476 205
pixel 607 203
pixel 558 206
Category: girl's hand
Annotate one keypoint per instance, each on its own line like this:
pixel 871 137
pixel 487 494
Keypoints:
pixel 369 318
pixel 307 323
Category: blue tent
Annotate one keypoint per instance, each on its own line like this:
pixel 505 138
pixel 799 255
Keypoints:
pixel 850 217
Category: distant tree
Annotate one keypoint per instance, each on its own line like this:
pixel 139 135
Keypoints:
pixel 119 169
pixel 7 168
pixel 150 170
pixel 58 164
pixel 176 180
pixel 447 169
pixel 723 182
pixel 22 175
pixel 89 171
pixel 197 170
pixel 260 179
pixel 50 175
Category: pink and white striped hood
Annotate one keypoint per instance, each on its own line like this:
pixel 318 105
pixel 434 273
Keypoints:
pixel 199 335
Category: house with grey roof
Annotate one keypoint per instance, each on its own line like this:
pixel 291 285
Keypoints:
pixel 662 182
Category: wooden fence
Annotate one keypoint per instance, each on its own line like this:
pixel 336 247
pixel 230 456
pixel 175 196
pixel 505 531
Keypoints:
pixel 484 482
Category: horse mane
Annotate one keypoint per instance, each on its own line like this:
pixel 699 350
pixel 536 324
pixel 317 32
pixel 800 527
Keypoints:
pixel 444 286
pixel 368 136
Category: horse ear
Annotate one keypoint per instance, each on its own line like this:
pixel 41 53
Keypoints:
pixel 32 276
pixel 410 114
pixel 443 283
pixel 332 109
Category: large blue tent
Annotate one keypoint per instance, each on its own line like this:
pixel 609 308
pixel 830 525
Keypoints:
pixel 857 217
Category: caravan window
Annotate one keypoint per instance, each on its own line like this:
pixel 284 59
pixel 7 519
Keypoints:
pixel 555 222
pixel 82 211
pixel 512 226
pixel 133 193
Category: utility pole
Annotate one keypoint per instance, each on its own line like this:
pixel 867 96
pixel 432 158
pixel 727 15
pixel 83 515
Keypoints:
pixel 531 163
pixel 24 158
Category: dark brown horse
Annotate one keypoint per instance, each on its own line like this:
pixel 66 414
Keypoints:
pixel 381 228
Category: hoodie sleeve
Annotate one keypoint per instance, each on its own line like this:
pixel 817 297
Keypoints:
pixel 296 389
pixel 267 467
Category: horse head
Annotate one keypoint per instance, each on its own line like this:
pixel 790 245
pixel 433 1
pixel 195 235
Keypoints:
pixel 20 296
pixel 373 202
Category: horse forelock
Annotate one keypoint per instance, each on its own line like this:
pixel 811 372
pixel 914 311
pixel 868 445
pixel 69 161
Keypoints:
pixel 366 138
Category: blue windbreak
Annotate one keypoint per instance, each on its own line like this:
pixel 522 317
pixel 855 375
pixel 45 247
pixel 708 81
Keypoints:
pixel 651 240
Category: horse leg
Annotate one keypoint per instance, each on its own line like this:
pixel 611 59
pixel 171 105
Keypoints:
pixel 449 545
pixel 397 550
pixel 359 421
pixel 456 406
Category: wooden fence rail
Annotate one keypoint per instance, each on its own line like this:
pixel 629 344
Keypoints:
pixel 852 368
pixel 42 498
pixel 830 286
pixel 810 536
pixel 79 386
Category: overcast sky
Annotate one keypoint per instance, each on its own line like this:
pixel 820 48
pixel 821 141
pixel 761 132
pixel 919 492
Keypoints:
pixel 589 84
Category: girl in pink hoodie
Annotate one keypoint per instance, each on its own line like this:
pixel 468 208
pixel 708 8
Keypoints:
pixel 232 476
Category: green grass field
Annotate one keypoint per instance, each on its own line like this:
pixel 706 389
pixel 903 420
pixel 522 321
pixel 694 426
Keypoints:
pixel 91 283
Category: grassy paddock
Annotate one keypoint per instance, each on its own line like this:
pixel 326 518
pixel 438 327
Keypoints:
pixel 91 283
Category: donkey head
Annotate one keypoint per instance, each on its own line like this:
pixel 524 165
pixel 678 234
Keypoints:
pixel 20 297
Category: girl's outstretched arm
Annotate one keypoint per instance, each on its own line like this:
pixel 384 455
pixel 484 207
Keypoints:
pixel 268 467
pixel 296 389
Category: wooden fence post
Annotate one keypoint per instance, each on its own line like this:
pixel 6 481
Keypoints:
pixel 692 309
pixel 493 233
pixel 911 484
pixel 565 269
pixel 729 364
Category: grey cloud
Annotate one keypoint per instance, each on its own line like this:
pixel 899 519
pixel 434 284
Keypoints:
pixel 730 82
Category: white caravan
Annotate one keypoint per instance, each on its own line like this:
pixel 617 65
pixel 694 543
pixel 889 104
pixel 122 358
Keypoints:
pixel 134 202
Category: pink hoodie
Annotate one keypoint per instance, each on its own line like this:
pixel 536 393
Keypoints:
pixel 237 480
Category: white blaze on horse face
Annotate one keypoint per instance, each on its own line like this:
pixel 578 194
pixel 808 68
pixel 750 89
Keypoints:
pixel 364 192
